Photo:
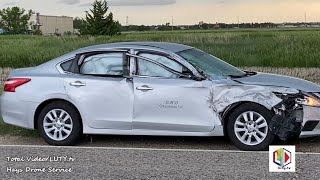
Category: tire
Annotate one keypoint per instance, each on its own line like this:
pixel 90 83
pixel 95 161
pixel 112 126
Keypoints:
pixel 256 127
pixel 59 124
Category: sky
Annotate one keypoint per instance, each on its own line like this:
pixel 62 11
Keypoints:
pixel 184 12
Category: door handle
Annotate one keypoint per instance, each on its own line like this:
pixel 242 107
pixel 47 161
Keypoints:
pixel 77 84
pixel 144 88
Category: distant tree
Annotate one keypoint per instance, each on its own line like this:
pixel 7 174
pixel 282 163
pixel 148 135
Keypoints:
pixel 15 20
pixel 143 28
pixel 204 26
pixel 37 32
pixel 99 22
pixel 78 23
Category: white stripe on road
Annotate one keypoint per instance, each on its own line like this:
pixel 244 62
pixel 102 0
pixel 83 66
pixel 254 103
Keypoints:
pixel 148 149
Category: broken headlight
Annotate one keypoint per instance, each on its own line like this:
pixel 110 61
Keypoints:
pixel 309 101
pixel 303 98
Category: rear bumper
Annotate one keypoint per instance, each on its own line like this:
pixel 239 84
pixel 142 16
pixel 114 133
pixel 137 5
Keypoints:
pixel 16 112
pixel 311 122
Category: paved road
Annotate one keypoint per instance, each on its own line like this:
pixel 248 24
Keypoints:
pixel 208 143
pixel 122 163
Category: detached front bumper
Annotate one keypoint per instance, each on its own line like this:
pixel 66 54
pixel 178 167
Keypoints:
pixel 311 122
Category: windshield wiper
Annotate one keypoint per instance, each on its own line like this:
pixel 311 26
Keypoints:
pixel 236 76
pixel 250 73
pixel 247 73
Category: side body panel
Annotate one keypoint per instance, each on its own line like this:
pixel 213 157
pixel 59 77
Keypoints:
pixel 172 105
pixel 19 108
pixel 105 103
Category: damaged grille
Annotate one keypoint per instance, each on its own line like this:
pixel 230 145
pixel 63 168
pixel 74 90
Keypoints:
pixel 287 121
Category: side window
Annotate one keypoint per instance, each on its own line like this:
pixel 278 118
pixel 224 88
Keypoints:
pixel 66 65
pixel 103 64
pixel 146 68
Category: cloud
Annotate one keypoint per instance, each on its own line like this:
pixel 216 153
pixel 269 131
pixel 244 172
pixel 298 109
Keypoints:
pixel 136 3
pixel 140 2
pixel 12 3
pixel 70 2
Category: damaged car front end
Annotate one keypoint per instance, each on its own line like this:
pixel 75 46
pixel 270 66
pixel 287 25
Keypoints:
pixel 291 106
pixel 297 115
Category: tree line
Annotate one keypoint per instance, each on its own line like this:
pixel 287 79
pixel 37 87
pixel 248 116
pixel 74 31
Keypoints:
pixel 97 21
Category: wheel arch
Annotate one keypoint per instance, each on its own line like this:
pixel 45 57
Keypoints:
pixel 45 103
pixel 227 112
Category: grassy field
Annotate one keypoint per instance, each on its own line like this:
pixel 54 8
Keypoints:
pixel 264 48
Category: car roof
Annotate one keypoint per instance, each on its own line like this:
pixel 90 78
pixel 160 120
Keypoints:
pixel 171 47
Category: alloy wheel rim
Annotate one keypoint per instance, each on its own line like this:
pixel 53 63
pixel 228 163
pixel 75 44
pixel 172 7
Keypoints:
pixel 251 128
pixel 58 124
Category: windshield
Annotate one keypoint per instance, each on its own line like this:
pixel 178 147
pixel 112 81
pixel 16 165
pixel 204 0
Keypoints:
pixel 209 64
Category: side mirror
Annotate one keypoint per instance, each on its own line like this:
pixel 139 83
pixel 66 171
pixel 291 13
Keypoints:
pixel 198 78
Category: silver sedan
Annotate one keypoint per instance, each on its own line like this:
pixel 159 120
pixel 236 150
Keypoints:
pixel 158 89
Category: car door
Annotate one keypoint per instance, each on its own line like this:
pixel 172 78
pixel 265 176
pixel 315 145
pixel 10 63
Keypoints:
pixel 100 90
pixel 166 100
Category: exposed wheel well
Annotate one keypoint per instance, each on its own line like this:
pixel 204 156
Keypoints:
pixel 226 114
pixel 44 104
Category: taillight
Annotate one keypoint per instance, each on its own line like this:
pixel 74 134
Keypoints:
pixel 11 84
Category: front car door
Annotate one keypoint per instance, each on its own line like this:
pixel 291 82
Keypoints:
pixel 101 91
pixel 167 99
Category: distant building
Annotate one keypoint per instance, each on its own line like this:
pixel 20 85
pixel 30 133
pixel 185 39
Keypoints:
pixel 284 25
pixel 52 25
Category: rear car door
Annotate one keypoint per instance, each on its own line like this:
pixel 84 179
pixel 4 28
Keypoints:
pixel 99 88
pixel 167 99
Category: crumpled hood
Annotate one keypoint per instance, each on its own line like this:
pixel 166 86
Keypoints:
pixel 266 79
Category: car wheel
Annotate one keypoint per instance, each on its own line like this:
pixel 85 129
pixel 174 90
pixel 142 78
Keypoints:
pixel 59 124
pixel 248 127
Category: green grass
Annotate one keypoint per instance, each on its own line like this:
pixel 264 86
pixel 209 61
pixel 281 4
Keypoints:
pixel 15 131
pixel 241 47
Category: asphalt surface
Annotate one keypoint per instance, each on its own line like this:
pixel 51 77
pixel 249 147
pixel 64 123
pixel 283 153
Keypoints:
pixel 148 157
pixel 122 163
pixel 206 143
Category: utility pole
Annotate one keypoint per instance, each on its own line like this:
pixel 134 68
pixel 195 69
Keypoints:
pixel 238 22
pixel 127 21
pixel 172 23
pixel 305 19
